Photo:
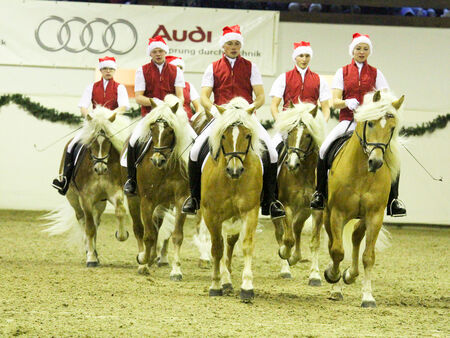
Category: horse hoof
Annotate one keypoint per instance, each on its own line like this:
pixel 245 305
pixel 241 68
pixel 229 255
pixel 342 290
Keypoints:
pixel 247 295
pixel 286 275
pixel 215 293
pixel 328 279
pixel 143 270
pixel 91 264
pixel 227 289
pixel 176 277
pixel 160 264
pixel 204 264
pixel 368 304
pixel 345 278
pixel 336 296
pixel 122 239
pixel 314 282
pixel 283 255
pixel 292 261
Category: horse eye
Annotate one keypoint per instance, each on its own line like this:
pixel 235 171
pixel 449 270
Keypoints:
pixel 389 115
pixel 248 136
pixel 223 137
pixel 370 124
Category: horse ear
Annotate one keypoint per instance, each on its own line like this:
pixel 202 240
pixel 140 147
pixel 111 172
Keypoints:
pixel 88 117
pixel 175 108
pixel 314 111
pixel 397 104
pixel 377 96
pixel 220 109
pixel 291 104
pixel 112 117
pixel 153 103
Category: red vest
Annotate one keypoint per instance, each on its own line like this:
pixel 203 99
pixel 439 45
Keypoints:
pixel 106 98
pixel 156 84
pixel 296 90
pixel 187 99
pixel 232 82
pixel 356 85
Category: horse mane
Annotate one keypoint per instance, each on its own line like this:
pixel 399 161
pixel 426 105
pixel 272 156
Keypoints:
pixel 115 131
pixel 370 110
pixel 178 122
pixel 291 117
pixel 235 112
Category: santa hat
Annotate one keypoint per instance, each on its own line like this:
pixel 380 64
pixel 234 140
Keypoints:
pixel 230 34
pixel 107 62
pixel 302 47
pixel 175 60
pixel 157 42
pixel 357 39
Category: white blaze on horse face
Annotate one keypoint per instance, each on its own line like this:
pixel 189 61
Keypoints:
pixel 294 159
pixel 100 140
pixel 383 122
pixel 235 136
pixel 161 130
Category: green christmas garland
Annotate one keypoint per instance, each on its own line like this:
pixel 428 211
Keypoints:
pixel 50 114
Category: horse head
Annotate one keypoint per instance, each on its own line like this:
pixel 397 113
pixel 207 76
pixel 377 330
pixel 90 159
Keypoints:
pixel 377 126
pixel 235 144
pixel 299 143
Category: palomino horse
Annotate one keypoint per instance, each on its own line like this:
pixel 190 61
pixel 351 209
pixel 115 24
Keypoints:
pixel 162 182
pixel 231 190
pixel 303 128
pixel 98 180
pixel 359 184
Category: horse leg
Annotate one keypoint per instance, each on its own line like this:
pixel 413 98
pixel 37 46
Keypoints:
pixel 225 264
pixel 350 274
pixel 298 224
pixel 288 237
pixel 248 245
pixel 332 274
pixel 117 200
pixel 138 227
pixel 146 258
pixel 314 276
pixel 163 259
pixel 203 242
pixel 215 229
pixel 177 240
pixel 373 226
pixel 285 271
pixel 91 234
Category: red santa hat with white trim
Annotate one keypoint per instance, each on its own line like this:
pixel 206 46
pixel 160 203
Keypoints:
pixel 302 47
pixel 157 42
pixel 230 34
pixel 107 62
pixel 357 39
pixel 176 61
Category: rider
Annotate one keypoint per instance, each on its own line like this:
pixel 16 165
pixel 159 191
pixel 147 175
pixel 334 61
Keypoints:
pixel 229 77
pixel 350 84
pixel 107 93
pixel 155 79
pixel 300 84
pixel 190 93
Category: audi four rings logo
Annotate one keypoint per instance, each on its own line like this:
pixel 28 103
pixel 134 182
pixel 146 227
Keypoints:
pixel 86 35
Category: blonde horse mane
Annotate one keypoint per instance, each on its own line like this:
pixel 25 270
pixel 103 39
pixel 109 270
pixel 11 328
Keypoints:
pixel 115 131
pixel 291 118
pixel 177 121
pixel 235 112
pixel 370 110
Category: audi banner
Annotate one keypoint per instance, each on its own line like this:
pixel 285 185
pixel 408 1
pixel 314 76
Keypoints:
pixel 70 34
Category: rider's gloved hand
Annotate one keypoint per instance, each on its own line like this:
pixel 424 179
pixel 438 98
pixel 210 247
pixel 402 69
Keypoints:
pixel 352 104
pixel 214 111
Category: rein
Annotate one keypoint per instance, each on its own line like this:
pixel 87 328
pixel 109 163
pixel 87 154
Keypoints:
pixel 104 159
pixel 375 145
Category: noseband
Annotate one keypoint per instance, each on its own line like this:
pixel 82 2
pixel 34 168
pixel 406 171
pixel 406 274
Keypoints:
pixel 375 145
pixel 95 159
pixel 160 150
pixel 236 154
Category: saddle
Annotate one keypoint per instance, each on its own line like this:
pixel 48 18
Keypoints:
pixel 335 147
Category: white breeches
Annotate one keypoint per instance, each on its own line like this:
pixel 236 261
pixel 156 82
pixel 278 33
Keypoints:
pixel 337 131
pixel 263 135
pixel 75 139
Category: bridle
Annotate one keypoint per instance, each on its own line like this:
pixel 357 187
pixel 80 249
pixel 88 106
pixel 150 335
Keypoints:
pixel 160 150
pixel 302 154
pixel 104 159
pixel 235 154
pixel 375 145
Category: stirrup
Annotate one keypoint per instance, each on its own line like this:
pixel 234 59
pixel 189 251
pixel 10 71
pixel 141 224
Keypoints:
pixel 62 180
pixel 401 207
pixel 130 187
pixel 190 206
pixel 316 200
pixel 281 213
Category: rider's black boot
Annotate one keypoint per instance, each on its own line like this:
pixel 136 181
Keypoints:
pixel 192 203
pixel 131 185
pixel 270 205
pixel 318 198
pixel 395 207
pixel 62 182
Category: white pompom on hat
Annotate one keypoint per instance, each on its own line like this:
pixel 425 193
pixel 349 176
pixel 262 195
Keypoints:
pixel 230 34
pixel 176 61
pixel 302 47
pixel 157 42
pixel 357 39
pixel 107 62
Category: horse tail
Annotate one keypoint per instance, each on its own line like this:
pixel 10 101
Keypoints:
pixel 383 241
pixel 62 220
pixel 168 224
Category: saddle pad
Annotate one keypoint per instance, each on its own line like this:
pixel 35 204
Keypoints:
pixel 335 147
